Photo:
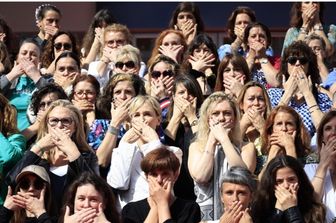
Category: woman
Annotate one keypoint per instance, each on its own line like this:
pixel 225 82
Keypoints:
pixel 125 173
pixel 89 199
pixel 127 60
pixel 233 73
pixel 187 18
pixel 255 108
pixel 19 84
pixel 322 174
pixel 47 20
pixel 12 142
pixel 170 43
pixel 237 190
pixel 5 60
pixel 31 199
pixel 264 68
pixel 7 37
pixel 161 168
pixel 215 149
pixel 202 62
pixel 59 43
pixel 300 71
pixel 61 148
pixel 285 195
pixel 306 19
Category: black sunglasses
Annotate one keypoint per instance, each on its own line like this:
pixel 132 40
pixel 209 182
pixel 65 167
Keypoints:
pixel 66 46
pixel 38 184
pixel 157 74
pixel 128 64
pixel 293 59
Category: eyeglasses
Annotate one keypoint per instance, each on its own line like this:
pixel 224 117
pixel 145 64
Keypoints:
pixel 128 64
pixel 157 74
pixel 87 93
pixel 52 121
pixel 66 46
pixel 38 184
pixel 293 59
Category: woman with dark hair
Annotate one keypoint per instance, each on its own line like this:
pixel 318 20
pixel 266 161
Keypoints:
pixel 47 20
pixel 201 61
pixel 301 75
pixel 232 74
pixel 31 200
pixel 7 37
pixel 89 199
pixel 59 43
pixel 5 59
pixel 286 195
pixel 306 19
pixel 187 18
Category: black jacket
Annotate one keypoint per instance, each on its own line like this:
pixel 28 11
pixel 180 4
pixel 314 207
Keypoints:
pixel 6 215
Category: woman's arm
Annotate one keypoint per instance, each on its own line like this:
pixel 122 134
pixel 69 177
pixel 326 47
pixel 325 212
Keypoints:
pixel 12 149
pixel 249 156
pixel 271 74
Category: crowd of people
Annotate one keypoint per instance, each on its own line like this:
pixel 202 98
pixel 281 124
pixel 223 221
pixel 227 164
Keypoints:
pixel 89 132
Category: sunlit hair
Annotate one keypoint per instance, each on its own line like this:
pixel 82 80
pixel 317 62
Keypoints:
pixel 159 40
pixel 78 136
pixel 256 25
pixel 296 14
pixel 240 99
pixel 160 159
pixel 140 101
pixel 116 27
pixel 302 139
pixel 129 52
pixel 205 112
pixel 314 36
pixel 237 61
pixel 8 122
pixel 326 118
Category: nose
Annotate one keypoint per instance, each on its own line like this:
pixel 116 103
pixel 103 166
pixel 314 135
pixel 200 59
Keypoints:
pixel 86 203
pixel 256 102
pixel 221 117
pixel 159 179
pixel 284 127
pixel 123 95
pixel 297 63
pixel 185 96
pixel 124 68
pixel 114 44
pixel 285 184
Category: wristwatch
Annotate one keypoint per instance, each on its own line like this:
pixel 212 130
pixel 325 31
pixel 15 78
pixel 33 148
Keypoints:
pixel 263 60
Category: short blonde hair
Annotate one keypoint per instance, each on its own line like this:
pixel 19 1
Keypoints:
pixel 140 100
pixel 129 52
pixel 116 27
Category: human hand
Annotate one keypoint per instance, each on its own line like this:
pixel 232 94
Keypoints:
pixel 160 193
pixel 189 29
pixel 290 86
pixel 234 85
pixel 110 53
pixel 259 48
pixel 202 63
pixel 11 203
pixel 65 81
pixel 36 205
pixel 86 215
pixel 304 83
pixel 119 111
pixel 158 88
pixel 188 108
pixel 239 32
pixel 286 198
pixel 2 37
pixel 132 135
pixel 233 213
pixel 100 218
pixel 309 16
pixel 256 118
pixel 174 52
pixel 284 140
pixel 328 152
pixel 17 70
pixel 50 31
pixel 83 105
pixel 246 218
pixel 147 134
pixel 99 35
pixel 220 130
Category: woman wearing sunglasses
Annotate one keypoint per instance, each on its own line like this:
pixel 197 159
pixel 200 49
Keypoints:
pixel 127 60
pixel 59 43
pixel 30 201
pixel 61 148
pixel 301 76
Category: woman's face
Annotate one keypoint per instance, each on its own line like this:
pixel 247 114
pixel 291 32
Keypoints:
pixel 235 72
pixel 87 197
pixel 285 177
pixel 329 130
pixel 182 91
pixel 146 114
pixel 126 65
pixel 284 122
pixel 242 20
pixel 232 192
pixel 223 113
pixel 30 52
pixel 171 39
pixel 66 67
pixel 162 176
pixel 32 184
pixel 114 39
pixel 201 50
pixel 85 91
pixel 297 63
pixel 122 91
pixel 310 5
pixel 184 17
pixel 46 101
pixel 61 118
pixel 161 70
pixel 51 18
pixel 254 98
pixel 62 43
pixel 257 34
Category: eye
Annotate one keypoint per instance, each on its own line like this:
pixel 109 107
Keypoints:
pixel 61 69
pixel 166 44
pixel 227 70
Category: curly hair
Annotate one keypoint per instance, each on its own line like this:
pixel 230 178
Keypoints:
pixel 8 122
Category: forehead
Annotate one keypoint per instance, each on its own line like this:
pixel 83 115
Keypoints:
pixel 87 189
pixel 84 84
pixel 59 111
pixel 257 29
pixel 221 106
pixel 161 65
pixel 253 90
pixel 115 35
pixel 234 186
pixel 185 13
pixel 283 116
pixel 66 61
pixel 123 85
pixel 63 38
pixel 315 42
pixel 285 172
pixel 30 47
pixel 171 37
pixel 51 14
pixel 243 17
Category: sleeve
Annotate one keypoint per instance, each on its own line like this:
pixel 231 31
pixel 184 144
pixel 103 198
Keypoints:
pixel 293 215
pixel 324 102
pixel 4 83
pixel 102 78
pixel 129 215
pixel 44 218
pixel 11 149
pixel 5 214
pixel 194 214
pixel 85 162
pixel 44 81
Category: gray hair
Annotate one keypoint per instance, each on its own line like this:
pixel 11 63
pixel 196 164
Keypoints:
pixel 240 175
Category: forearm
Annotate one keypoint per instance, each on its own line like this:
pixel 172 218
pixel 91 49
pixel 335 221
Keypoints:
pixel 286 97
pixel 271 74
pixel 233 157
pixel 235 45
pixel 172 127
pixel 91 56
pixel 290 149
pixel 29 132
pixel 323 70
pixel 319 179
pixel 163 212
pixel 152 216
pixel 313 108
pixel 101 67
pixel 104 151
pixel 51 68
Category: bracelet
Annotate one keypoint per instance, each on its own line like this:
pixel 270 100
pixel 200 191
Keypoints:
pixel 113 130
pixel 312 106
pixel 194 123
pixel 322 178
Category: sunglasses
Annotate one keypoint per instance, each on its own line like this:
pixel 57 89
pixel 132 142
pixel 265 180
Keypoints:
pixel 66 46
pixel 38 184
pixel 157 74
pixel 293 59
pixel 128 64
pixel 52 121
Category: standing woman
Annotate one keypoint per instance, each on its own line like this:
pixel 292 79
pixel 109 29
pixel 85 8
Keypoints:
pixel 47 20
pixel 187 18
pixel 216 148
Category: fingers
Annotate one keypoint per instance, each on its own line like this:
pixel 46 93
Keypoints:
pixel 9 191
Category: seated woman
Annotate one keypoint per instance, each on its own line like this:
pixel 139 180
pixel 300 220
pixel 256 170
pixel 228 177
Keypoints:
pixel 323 173
pixel 59 43
pixel 89 199
pixel 233 73
pixel 12 142
pixel 61 148
pixel 300 71
pixel 215 149
pixel 237 190
pixel 31 199
pixel 201 61
pixel 255 108
pixel 285 195
pixel 161 168
pixel 125 174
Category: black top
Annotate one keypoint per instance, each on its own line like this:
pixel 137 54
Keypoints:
pixel 6 215
pixel 182 211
